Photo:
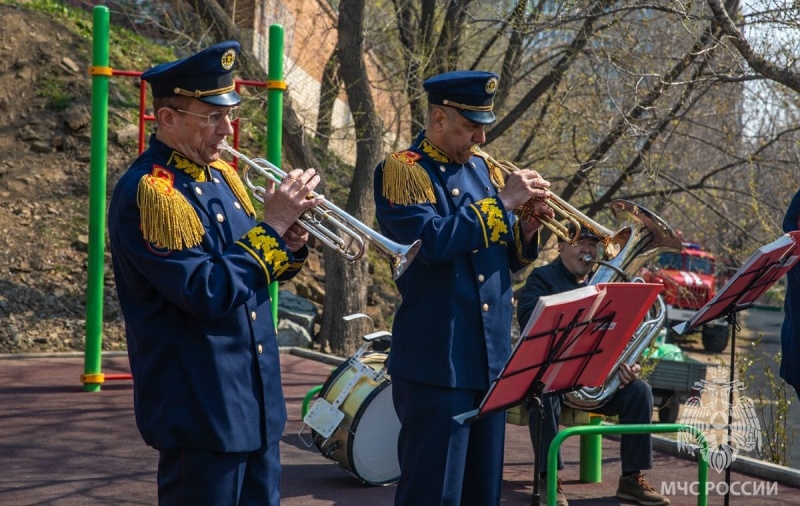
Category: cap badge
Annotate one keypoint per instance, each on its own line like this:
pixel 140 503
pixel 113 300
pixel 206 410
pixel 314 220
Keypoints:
pixel 228 58
pixel 491 85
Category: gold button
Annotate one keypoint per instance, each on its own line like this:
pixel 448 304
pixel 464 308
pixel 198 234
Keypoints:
pixel 220 217
pixel 485 307
pixel 237 205
pixel 253 316
pixel 481 278
pixel 260 349
pixel 198 190
pixel 442 168
pixel 455 192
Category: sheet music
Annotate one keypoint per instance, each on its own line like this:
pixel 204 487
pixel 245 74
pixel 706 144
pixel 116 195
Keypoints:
pixel 572 339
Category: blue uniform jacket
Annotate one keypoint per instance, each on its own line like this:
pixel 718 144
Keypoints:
pixel 790 331
pixel 453 325
pixel 192 267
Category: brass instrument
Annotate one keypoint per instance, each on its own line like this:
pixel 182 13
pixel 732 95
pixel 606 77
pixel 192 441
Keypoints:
pixel 561 207
pixel 645 236
pixel 331 225
pixel 640 236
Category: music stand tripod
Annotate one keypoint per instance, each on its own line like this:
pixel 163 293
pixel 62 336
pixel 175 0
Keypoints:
pixel 571 340
pixel 762 270
pixel 545 384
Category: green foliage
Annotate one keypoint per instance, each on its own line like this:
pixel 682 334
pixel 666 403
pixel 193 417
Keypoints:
pixel 774 296
pixel 772 402
pixel 56 93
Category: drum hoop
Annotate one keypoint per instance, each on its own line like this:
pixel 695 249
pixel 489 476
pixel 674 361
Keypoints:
pixel 382 385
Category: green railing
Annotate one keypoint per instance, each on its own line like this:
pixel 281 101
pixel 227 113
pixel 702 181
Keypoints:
pixel 586 430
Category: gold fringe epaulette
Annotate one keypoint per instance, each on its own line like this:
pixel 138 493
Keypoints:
pixel 236 185
pixel 168 220
pixel 405 182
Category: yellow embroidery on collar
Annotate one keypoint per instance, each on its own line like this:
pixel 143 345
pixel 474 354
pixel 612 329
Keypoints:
pixel 435 153
pixel 182 163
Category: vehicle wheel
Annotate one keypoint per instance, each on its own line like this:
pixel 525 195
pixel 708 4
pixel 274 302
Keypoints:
pixel 668 412
pixel 715 337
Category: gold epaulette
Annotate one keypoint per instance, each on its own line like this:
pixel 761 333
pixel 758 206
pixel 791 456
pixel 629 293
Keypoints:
pixel 168 220
pixel 496 174
pixel 405 182
pixel 236 185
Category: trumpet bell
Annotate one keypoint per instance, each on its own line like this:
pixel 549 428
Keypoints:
pixel 402 256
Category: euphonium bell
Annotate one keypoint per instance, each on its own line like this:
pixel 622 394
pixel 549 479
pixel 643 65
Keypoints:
pixel 644 235
pixel 331 225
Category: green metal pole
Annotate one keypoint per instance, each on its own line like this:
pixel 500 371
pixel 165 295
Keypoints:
pixel 654 428
pixel 275 88
pixel 591 466
pixel 92 376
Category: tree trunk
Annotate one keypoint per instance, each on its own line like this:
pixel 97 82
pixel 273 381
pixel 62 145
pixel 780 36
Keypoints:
pixel 346 284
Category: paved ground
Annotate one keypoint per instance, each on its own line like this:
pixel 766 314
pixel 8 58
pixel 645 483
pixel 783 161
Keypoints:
pixel 62 446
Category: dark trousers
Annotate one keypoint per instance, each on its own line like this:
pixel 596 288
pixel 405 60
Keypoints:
pixel 443 462
pixel 198 478
pixel 633 404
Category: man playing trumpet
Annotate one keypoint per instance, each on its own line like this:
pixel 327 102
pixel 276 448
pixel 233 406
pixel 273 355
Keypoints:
pixel 192 262
pixel 451 332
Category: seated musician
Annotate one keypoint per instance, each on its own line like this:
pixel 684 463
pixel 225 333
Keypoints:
pixel 633 402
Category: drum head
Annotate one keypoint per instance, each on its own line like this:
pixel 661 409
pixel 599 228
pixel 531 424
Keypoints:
pixel 373 451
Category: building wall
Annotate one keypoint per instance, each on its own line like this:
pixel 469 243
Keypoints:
pixel 309 40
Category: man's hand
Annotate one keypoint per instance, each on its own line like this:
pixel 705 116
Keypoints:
pixel 628 373
pixel 522 186
pixel 284 203
pixel 295 237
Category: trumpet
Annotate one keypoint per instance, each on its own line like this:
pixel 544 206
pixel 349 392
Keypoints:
pixel 331 225
pixel 561 208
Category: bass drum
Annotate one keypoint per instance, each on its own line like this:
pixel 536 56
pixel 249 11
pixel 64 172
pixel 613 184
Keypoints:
pixel 365 443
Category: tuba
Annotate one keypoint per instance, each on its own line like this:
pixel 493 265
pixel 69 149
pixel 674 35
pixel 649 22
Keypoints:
pixel 641 236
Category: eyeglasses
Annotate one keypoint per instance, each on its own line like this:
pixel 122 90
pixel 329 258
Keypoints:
pixel 214 118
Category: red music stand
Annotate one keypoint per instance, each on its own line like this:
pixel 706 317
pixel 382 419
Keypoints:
pixel 762 270
pixel 572 340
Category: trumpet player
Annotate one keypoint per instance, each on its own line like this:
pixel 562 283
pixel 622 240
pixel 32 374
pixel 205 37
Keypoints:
pixel 451 331
pixel 192 260
pixel 633 402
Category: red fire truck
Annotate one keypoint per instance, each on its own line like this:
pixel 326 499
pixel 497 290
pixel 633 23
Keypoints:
pixel 690 278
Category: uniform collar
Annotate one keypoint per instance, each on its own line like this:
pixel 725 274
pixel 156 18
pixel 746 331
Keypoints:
pixel 424 144
pixel 177 161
